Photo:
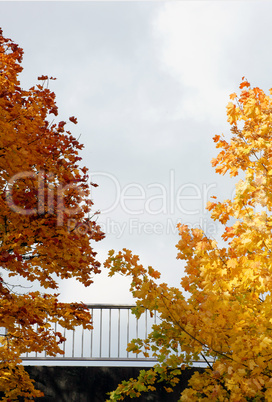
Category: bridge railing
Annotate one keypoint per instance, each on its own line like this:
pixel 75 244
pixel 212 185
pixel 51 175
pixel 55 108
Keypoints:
pixel 114 326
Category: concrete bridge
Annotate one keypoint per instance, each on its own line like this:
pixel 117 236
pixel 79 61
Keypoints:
pixel 95 361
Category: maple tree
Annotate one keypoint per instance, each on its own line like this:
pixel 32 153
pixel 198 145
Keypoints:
pixel 46 226
pixel 227 318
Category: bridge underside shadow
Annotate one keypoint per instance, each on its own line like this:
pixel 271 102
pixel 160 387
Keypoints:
pixel 91 384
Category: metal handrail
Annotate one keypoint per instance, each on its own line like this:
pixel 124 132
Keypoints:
pixel 114 326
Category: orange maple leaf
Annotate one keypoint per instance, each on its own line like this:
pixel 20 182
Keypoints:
pixel 244 84
pixel 73 119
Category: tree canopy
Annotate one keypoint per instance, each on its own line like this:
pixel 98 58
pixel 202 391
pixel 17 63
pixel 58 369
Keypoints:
pixel 227 318
pixel 46 224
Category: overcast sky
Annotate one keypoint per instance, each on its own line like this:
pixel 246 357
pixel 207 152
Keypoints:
pixel 149 83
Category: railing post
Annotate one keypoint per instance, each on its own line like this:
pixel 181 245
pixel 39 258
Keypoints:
pixel 118 354
pixel 91 350
pixel 109 332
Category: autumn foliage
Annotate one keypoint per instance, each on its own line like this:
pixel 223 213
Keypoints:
pixel 227 318
pixel 44 199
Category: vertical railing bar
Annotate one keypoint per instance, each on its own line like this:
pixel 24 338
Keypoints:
pixel 55 331
pixel 137 320
pixel 26 352
pixel 73 343
pixel 82 341
pixel 36 354
pixel 64 334
pixel 145 324
pixel 100 346
pixel 109 332
pixel 56 326
pixel 91 351
pixel 128 329
pixel 118 351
